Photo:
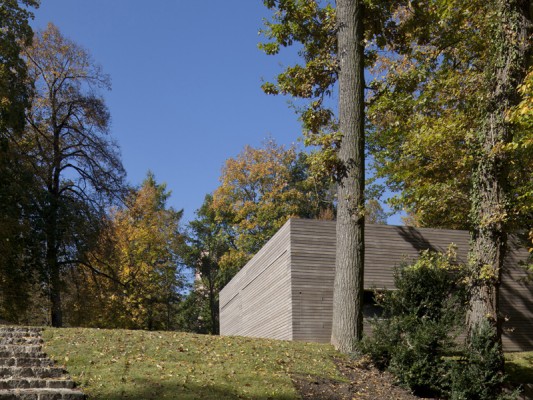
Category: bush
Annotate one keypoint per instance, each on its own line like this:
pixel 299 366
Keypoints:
pixel 477 375
pixel 420 321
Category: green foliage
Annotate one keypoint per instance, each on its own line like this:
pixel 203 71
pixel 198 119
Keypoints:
pixel 15 32
pixel 478 374
pixel 194 314
pixel 312 25
pixel 18 242
pixel 448 125
pixel 206 243
pixel 427 105
pixel 419 323
pixel 424 106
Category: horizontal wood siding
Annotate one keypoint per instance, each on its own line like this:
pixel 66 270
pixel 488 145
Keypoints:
pixel 230 306
pixel 516 301
pixel 257 301
pixel 286 290
pixel 387 247
pixel 312 268
pixel 313 263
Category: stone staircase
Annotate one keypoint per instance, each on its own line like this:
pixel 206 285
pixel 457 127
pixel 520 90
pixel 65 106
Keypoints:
pixel 27 373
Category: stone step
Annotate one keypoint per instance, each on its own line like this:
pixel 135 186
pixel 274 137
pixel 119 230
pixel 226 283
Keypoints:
pixel 20 334
pixel 36 383
pixel 27 373
pixel 21 348
pixel 21 340
pixel 31 372
pixel 17 354
pixel 19 330
pixel 25 362
pixel 41 394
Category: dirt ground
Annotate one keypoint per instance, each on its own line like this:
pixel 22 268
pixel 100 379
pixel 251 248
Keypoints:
pixel 365 382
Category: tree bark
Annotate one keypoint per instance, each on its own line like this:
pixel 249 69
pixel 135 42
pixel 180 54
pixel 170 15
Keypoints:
pixel 53 238
pixel 506 69
pixel 349 264
pixel 55 296
pixel 52 265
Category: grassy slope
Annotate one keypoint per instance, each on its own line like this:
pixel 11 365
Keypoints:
pixel 119 364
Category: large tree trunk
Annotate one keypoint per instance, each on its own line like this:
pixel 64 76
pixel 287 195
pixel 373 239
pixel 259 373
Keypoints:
pixel 348 289
pixel 55 296
pixel 506 69
pixel 52 266
pixel 54 237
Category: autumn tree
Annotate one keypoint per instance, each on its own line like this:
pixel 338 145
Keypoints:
pixel 260 189
pixel 425 106
pixel 92 288
pixel 15 32
pixel 333 51
pixel 73 159
pixel 135 279
pixel 148 240
pixel 16 237
pixel 450 116
pixel 505 69
pixel 428 105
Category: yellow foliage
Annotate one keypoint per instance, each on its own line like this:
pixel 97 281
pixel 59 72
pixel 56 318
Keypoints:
pixel 139 250
pixel 259 191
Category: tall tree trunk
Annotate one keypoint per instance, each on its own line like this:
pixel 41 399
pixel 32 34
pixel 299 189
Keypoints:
pixel 55 295
pixel 506 69
pixel 54 238
pixel 52 265
pixel 349 264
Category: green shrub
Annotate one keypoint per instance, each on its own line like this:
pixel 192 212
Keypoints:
pixel 477 375
pixel 420 321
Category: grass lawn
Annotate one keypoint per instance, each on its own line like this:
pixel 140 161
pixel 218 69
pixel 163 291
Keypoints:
pixel 120 364
pixel 519 367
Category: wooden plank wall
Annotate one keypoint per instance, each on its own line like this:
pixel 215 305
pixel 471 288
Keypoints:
pixel 257 301
pixel 286 290
pixel 388 246
pixel 313 263
pixel 312 267
pixel 516 301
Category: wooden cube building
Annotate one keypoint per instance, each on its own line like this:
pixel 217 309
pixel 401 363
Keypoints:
pixel 286 290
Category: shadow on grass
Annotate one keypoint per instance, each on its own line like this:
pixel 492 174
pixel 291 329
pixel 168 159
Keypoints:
pixel 519 373
pixel 151 390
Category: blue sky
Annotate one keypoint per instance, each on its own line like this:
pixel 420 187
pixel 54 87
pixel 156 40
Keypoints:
pixel 186 79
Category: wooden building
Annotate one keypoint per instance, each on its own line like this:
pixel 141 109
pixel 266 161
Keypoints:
pixel 286 290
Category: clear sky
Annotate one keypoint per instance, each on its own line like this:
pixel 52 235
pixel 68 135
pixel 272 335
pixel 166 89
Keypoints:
pixel 186 79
